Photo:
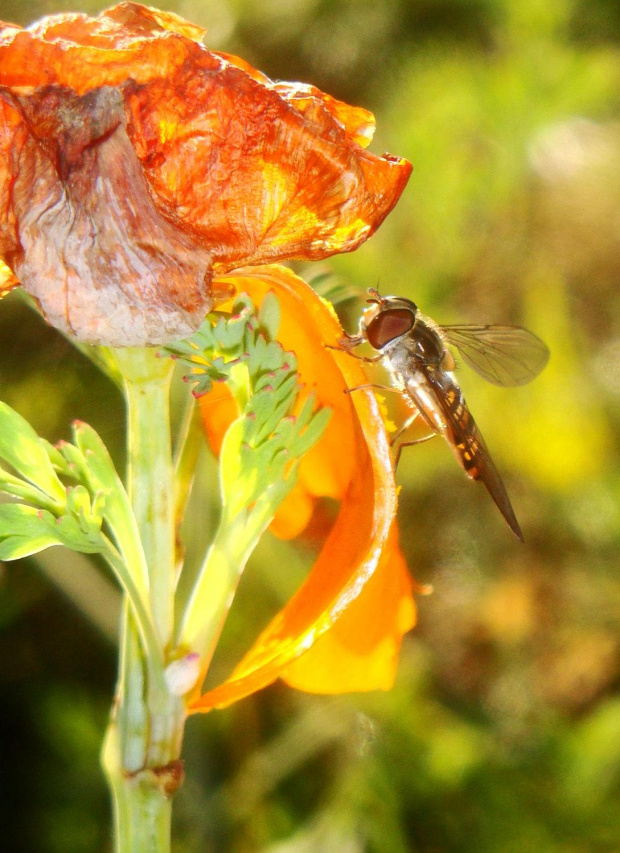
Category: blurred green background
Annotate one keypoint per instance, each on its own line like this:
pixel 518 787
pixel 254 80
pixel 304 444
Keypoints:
pixel 503 730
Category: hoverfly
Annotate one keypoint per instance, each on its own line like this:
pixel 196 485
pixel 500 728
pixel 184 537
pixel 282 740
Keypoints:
pixel 416 353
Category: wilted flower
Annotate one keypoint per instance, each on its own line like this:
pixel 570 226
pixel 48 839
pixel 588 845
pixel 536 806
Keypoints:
pixel 136 164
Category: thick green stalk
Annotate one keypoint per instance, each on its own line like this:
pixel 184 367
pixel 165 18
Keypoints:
pixel 150 474
pixel 142 746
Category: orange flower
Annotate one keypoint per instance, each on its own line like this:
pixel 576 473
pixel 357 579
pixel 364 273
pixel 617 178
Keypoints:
pixel 135 164
pixel 343 628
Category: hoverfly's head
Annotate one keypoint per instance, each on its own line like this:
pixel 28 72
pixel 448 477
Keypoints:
pixel 387 318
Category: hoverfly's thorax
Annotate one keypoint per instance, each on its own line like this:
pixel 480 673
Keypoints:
pixel 428 346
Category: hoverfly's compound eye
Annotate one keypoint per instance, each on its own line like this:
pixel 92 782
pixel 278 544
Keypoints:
pixel 389 324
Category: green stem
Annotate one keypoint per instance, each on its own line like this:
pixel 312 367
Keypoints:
pixel 141 789
pixel 150 474
pixel 143 742
pixel 190 440
pixel 141 614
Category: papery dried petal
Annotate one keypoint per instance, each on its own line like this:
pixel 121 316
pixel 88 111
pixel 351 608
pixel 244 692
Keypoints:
pixel 258 180
pixel 83 234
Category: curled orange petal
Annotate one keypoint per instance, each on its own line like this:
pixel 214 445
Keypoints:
pixel 135 163
pixel 343 628
pixel 360 650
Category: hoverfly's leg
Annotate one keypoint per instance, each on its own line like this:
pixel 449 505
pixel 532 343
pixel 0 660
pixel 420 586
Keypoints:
pixel 403 428
pixel 372 385
pixel 369 360
pixel 350 341
pixel 411 444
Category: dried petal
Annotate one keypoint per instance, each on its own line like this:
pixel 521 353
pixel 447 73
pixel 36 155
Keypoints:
pixel 88 242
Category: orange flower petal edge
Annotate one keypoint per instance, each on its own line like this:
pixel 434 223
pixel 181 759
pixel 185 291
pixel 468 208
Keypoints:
pixel 342 629
pixel 135 163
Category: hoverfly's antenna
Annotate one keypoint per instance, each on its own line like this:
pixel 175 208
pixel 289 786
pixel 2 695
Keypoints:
pixel 390 301
pixel 375 296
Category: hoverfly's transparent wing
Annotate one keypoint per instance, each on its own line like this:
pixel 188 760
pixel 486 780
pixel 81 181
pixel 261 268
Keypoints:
pixel 503 355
